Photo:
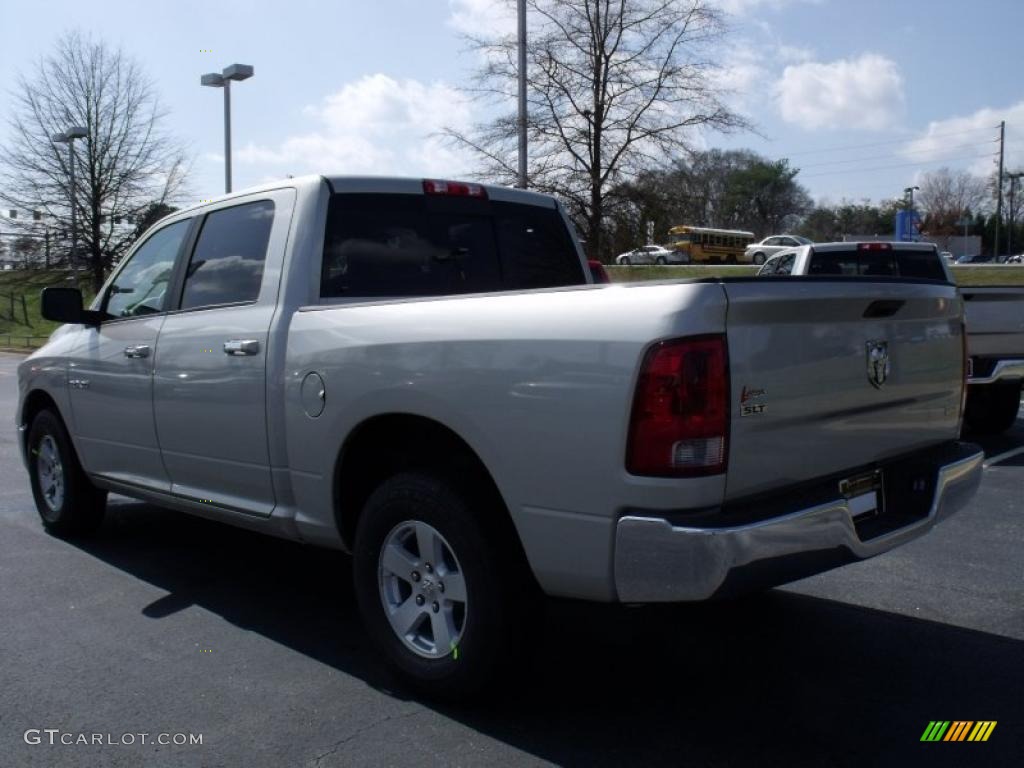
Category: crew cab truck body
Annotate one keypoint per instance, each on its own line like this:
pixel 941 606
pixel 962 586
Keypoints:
pixel 994 317
pixel 419 373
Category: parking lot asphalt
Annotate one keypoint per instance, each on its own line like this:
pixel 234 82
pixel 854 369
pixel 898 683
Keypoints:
pixel 164 623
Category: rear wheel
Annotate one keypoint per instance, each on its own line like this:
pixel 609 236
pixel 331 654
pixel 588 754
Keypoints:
pixel 441 592
pixel 759 258
pixel 992 408
pixel 661 260
pixel 68 504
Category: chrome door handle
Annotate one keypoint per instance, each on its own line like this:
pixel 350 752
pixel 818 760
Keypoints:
pixel 140 350
pixel 240 347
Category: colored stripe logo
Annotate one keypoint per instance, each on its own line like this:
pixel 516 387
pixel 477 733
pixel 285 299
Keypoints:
pixel 958 730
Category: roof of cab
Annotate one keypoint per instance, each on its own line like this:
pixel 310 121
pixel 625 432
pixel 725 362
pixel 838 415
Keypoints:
pixel 414 186
pixel 379 185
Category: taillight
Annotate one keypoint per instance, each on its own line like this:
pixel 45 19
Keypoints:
pixel 454 188
pixel 680 420
pixel 874 246
pixel 597 271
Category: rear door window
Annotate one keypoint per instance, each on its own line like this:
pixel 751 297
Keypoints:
pixel 227 262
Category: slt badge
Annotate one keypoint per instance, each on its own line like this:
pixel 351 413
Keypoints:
pixel 751 409
pixel 878 362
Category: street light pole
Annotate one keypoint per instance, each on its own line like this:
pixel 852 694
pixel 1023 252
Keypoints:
pixel 223 80
pixel 227 135
pixel 522 93
pixel 68 137
pixel 909 200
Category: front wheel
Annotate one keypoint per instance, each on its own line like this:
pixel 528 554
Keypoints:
pixel 992 408
pixel 439 590
pixel 661 260
pixel 68 503
pixel 759 258
pixel 625 261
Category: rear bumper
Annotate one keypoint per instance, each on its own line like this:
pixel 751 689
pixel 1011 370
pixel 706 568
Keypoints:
pixel 656 561
pixel 1004 369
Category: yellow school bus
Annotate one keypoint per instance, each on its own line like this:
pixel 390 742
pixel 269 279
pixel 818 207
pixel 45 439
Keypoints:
pixel 711 246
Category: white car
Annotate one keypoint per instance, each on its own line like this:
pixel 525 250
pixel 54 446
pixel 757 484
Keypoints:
pixel 648 254
pixel 758 253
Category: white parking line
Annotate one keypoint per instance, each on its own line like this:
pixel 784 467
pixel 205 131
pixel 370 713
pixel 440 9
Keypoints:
pixel 1002 456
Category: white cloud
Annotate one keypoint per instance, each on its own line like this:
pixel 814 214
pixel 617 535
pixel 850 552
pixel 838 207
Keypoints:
pixel 864 93
pixel 960 139
pixel 482 18
pixel 374 125
pixel 750 68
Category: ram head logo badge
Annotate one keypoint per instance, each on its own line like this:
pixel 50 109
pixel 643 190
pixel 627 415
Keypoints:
pixel 878 362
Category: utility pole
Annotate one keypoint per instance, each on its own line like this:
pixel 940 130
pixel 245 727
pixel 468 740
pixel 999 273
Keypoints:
pixel 522 93
pixel 999 189
pixel 1013 223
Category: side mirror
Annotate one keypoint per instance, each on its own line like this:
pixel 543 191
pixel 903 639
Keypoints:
pixel 64 305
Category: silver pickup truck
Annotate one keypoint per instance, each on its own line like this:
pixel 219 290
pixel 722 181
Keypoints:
pixel 420 373
pixel 994 317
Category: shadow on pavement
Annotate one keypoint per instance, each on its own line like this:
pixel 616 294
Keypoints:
pixel 772 679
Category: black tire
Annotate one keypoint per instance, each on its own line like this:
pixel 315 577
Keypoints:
pixel 661 261
pixel 498 590
pixel 626 261
pixel 759 258
pixel 992 408
pixel 79 509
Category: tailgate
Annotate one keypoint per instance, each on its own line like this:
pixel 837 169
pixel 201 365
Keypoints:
pixel 811 395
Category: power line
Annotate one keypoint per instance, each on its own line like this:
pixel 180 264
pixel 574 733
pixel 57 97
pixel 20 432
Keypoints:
pixel 899 165
pixel 884 143
pixel 908 152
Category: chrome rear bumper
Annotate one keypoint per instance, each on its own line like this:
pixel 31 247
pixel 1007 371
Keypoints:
pixel 1004 369
pixel 658 562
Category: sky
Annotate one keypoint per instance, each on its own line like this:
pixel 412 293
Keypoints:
pixel 862 95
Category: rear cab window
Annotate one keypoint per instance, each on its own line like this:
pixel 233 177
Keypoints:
pixel 895 262
pixel 405 245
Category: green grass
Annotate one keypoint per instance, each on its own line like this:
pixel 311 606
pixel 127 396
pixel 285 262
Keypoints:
pixel 29 283
pixel 1011 274
pixel 1007 275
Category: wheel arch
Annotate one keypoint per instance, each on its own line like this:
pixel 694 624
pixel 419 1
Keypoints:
pixel 385 444
pixel 35 401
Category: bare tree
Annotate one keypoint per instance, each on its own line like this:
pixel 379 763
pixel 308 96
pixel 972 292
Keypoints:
pixel 613 86
pixel 126 163
pixel 947 196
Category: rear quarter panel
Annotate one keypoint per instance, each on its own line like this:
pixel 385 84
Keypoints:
pixel 539 384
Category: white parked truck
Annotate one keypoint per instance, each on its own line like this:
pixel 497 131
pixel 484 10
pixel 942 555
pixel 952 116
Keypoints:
pixel 994 317
pixel 421 373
